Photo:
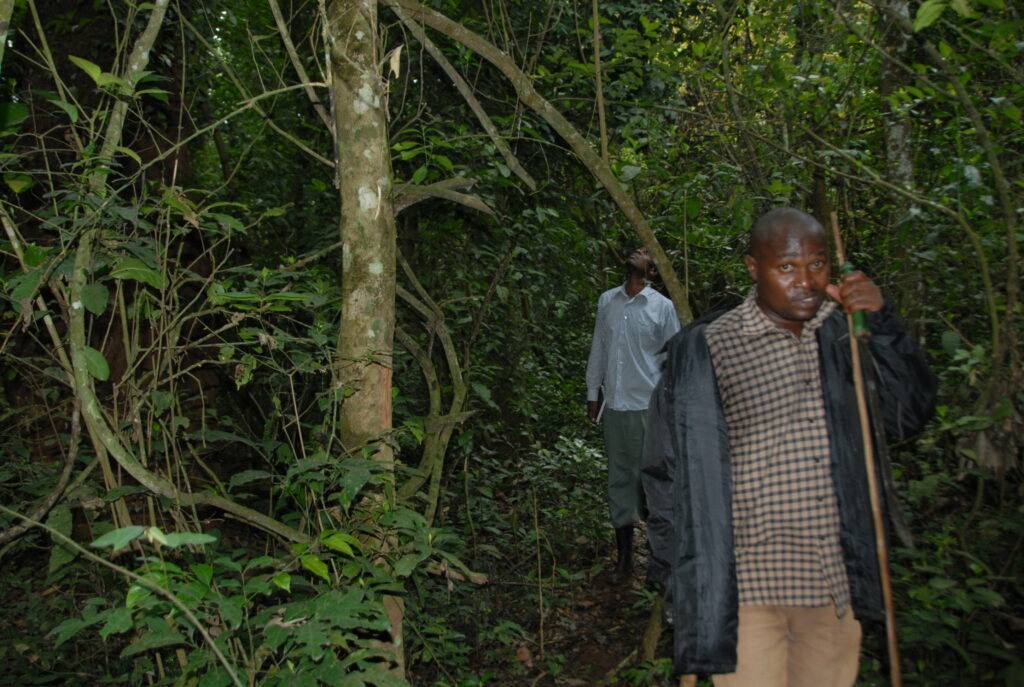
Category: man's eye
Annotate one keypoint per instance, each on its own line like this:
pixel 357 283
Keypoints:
pixel 785 268
pixel 818 264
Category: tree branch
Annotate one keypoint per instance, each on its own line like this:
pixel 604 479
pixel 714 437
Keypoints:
pixel 584 151
pixel 471 100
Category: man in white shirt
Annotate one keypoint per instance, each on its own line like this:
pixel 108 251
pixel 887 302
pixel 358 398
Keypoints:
pixel 633 324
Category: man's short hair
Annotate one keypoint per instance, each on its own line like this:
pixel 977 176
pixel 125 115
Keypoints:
pixel 769 222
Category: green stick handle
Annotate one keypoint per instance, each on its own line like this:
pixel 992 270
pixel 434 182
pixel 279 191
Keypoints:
pixel 860 324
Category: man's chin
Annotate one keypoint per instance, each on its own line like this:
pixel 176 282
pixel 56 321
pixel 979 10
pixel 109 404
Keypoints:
pixel 804 311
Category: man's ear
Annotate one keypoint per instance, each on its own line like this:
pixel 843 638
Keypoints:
pixel 751 263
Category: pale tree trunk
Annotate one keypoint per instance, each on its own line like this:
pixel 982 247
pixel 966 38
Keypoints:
pixel 6 9
pixel 365 343
pixel 899 154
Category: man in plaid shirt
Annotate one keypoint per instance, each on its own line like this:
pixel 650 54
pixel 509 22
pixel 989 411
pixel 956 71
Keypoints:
pixel 759 522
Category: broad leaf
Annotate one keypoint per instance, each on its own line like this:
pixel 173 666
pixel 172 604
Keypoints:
pixel 90 68
pixel 95 298
pixel 153 640
pixel 119 538
pixel 315 566
pixel 188 539
pixel 96 364
pixel 133 268
pixel 18 182
pixel 928 13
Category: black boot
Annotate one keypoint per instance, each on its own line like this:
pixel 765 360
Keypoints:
pixel 624 566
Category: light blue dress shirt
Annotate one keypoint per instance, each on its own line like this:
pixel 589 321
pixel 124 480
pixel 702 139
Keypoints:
pixel 625 355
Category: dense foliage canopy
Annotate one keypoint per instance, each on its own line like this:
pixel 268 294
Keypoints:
pixel 296 298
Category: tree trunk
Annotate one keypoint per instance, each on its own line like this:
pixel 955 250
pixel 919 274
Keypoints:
pixel 364 365
pixel 899 155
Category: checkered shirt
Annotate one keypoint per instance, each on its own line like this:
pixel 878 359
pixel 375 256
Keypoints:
pixel 784 508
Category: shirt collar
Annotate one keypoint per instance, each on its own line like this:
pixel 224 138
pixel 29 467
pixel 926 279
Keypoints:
pixel 754 323
pixel 645 292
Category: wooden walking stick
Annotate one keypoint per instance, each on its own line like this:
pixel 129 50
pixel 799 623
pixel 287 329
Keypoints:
pixel 860 353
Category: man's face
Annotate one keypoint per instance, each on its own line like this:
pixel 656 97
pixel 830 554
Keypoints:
pixel 640 262
pixel 791 270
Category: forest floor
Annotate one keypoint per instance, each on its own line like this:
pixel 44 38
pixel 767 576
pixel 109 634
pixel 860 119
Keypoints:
pixel 596 637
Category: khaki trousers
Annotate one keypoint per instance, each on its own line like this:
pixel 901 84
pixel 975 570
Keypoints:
pixel 792 646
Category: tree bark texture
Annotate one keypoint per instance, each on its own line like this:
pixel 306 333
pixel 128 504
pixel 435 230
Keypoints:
pixel 365 344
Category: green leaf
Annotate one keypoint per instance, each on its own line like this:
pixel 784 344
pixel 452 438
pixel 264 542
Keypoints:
pixel 96 364
pixel 231 610
pixel 247 476
pixel 95 297
pixel 61 554
pixel 408 563
pixel 950 342
pixel 12 115
pixel 484 393
pixel 629 172
pixel 339 541
pixel 227 222
pixel 419 175
pixel 26 285
pixel 203 573
pixel 119 620
pixel 381 677
pixel 444 161
pixel 119 538
pixel 69 109
pixel 107 79
pixel 962 7
pixel 93 70
pixel 928 13
pixel 157 93
pixel 990 598
pixel 188 539
pixel 215 678
pixel 18 182
pixel 283 580
pixel 1012 112
pixel 66 630
pixel 34 255
pixel 315 566
pixel 136 595
pixel 133 268
pixel 693 207
pixel 155 534
pixel 130 153
pixel 153 640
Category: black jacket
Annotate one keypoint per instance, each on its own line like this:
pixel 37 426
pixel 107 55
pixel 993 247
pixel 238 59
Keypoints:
pixel 686 476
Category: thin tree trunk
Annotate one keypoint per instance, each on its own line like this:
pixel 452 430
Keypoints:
pixel 598 81
pixel 6 8
pixel 364 365
pixel 899 156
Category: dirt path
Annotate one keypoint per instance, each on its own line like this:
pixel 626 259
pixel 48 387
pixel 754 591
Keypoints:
pixel 599 635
